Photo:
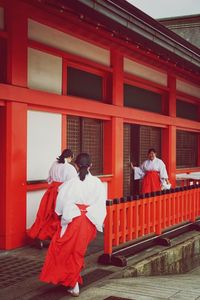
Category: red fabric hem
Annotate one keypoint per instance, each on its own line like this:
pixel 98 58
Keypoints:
pixel 47 220
pixel 65 256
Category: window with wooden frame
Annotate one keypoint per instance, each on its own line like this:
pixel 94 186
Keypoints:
pixel 141 98
pixel 87 82
pixel 3 60
pixel 186 149
pixel 187 110
pixel 86 135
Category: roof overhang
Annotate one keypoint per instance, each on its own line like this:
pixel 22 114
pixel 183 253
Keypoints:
pixel 120 16
pixel 117 23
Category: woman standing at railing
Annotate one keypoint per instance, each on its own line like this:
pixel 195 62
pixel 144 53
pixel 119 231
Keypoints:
pixel 81 203
pixel 46 221
pixel 153 173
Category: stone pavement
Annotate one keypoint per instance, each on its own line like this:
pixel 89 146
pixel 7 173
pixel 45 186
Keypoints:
pixel 19 271
pixel 175 287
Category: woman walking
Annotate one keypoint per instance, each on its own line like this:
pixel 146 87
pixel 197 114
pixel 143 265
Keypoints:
pixel 47 220
pixel 81 203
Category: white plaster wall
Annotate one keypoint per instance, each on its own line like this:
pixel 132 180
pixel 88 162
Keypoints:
pixel 106 188
pixel 32 204
pixel 1 18
pixel 43 143
pixel 187 88
pixel 44 71
pixel 145 72
pixel 60 40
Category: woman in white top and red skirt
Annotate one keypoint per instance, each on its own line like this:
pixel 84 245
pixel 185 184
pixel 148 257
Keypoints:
pixel 47 220
pixel 81 205
pixel 153 173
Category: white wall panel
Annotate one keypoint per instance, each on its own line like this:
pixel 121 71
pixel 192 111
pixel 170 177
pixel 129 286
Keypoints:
pixel 44 71
pixel 60 40
pixel 32 204
pixel 1 18
pixel 145 72
pixel 106 188
pixel 43 143
pixel 187 88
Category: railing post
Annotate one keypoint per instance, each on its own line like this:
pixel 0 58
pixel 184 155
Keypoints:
pixel 108 228
pixel 158 213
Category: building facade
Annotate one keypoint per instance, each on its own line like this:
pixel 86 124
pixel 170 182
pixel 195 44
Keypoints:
pixel 95 76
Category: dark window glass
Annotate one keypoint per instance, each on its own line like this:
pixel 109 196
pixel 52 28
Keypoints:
pixel 186 149
pixel 142 99
pixel 3 60
pixel 186 110
pixel 84 84
pixel 86 135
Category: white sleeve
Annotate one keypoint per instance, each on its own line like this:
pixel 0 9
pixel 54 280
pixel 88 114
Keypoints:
pixel 138 173
pixel 50 179
pixel 96 212
pixel 65 207
pixel 163 171
pixel 60 198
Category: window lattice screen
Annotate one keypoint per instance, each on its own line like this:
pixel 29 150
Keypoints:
pixel 86 135
pixel 127 158
pixel 186 149
pixel 74 134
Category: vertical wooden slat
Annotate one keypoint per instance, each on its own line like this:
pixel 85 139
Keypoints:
pixel 108 230
pixel 127 171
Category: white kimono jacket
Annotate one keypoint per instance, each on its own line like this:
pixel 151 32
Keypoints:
pixel 151 165
pixel 61 172
pixel 89 192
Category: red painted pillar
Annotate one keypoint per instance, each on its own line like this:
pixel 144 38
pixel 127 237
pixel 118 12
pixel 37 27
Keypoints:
pixel 169 153
pixel 113 131
pixel 14 202
pixel 172 96
pixel 113 155
pixel 16 26
pixel 169 134
pixel 2 173
pixel 198 151
pixel 118 78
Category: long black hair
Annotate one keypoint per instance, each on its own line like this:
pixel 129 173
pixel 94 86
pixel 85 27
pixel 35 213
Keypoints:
pixel 65 154
pixel 83 161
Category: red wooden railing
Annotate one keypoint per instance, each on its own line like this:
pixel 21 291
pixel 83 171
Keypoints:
pixel 137 216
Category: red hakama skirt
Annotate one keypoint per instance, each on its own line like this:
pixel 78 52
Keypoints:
pixel 151 182
pixel 47 220
pixel 65 256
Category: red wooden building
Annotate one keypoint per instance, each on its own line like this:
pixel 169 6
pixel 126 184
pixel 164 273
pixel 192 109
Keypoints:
pixel 97 76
